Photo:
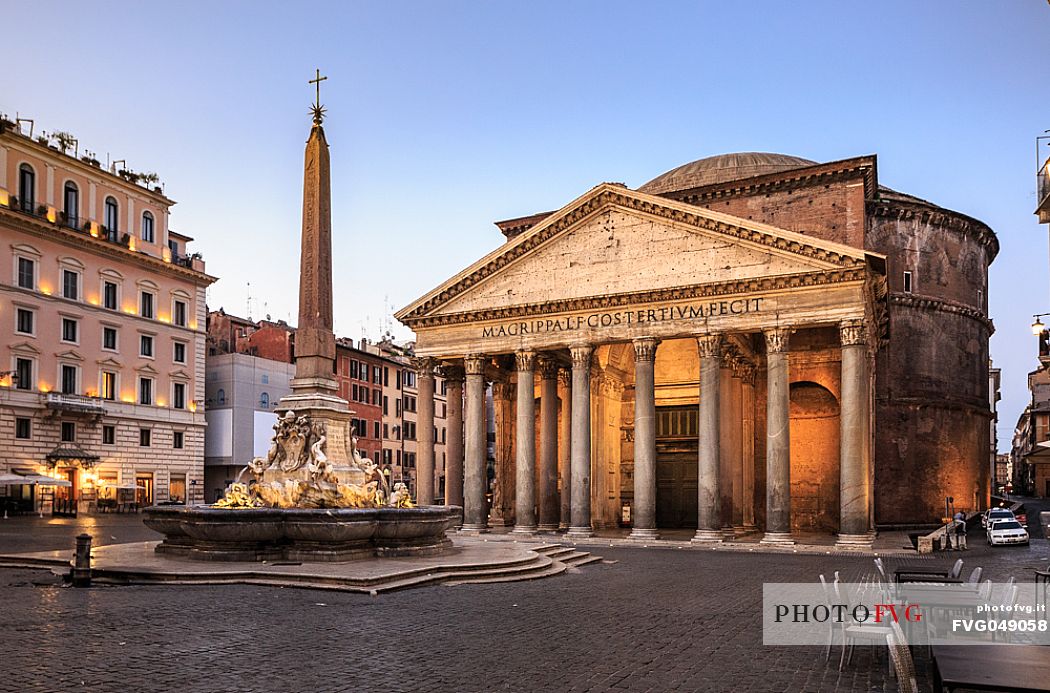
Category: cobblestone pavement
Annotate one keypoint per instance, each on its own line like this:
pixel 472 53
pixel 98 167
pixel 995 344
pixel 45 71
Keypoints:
pixel 643 620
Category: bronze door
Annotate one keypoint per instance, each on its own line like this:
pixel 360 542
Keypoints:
pixel 676 472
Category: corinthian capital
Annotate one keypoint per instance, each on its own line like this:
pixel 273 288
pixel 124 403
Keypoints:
pixel 645 348
pixel 424 365
pixel 453 374
pixel 474 364
pixel 853 333
pixel 547 367
pixel 709 345
pixel 581 355
pixel 777 340
pixel 525 360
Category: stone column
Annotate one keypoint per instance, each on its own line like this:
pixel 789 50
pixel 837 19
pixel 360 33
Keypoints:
pixel 580 515
pixel 525 454
pixel 747 406
pixel 726 449
pixel 778 441
pixel 736 418
pixel 474 515
pixel 548 491
pixel 854 453
pixel 643 516
pixel 504 485
pixel 565 449
pixel 709 520
pixel 425 430
pixel 454 449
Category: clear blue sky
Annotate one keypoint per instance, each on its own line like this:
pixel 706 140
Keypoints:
pixel 446 116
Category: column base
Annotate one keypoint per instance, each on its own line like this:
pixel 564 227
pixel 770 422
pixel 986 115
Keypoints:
pixel 524 529
pixel 855 541
pixel 579 533
pixel 706 536
pixel 728 534
pixel 563 526
pixel 469 528
pixel 782 538
pixel 547 527
pixel 643 534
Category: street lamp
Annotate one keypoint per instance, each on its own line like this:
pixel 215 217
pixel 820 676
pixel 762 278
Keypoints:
pixel 1038 327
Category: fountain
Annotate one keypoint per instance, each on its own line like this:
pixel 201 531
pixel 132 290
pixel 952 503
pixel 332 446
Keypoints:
pixel 313 497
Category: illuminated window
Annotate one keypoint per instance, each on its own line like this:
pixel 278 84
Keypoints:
pixel 108 385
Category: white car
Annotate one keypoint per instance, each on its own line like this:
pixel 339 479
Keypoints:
pixel 1007 532
pixel 995 515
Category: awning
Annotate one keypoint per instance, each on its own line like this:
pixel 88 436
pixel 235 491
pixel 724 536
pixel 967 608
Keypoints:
pixel 1040 453
pixel 42 480
pixel 12 480
pixel 72 454
pixel 121 487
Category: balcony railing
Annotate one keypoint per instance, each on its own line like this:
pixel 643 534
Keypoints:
pixel 78 404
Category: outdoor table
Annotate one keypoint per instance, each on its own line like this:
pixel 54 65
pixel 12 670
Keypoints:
pixel 1017 668
pixel 939 570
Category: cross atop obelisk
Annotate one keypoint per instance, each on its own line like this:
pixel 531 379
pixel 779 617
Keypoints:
pixel 317 109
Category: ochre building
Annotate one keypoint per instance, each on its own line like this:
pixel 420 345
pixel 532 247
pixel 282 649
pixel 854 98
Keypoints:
pixel 747 343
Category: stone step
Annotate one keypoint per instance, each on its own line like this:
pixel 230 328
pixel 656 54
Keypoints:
pixel 578 558
pixel 555 568
pixel 508 574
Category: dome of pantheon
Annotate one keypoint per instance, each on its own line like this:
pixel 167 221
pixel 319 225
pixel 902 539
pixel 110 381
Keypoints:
pixel 722 168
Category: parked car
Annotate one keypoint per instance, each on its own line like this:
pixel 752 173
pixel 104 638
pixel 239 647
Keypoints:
pixel 1007 532
pixel 995 514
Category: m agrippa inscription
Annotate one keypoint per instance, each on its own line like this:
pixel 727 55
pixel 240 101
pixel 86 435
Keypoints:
pixel 625 317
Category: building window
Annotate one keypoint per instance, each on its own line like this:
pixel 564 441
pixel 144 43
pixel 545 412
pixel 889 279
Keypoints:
pixel 70 284
pixel 145 437
pixel 109 295
pixel 264 400
pixel 907 282
pixel 376 429
pixel 69 330
pixel 24 321
pixel 23 428
pixel 146 304
pixel 178 441
pixel 146 346
pixel 112 218
pixel 220 396
pixel 26 188
pixel 109 435
pixel 386 405
pixel 178 313
pixel 147 227
pixel 265 380
pixel 26 273
pixel 145 391
pixel 69 379
pixel 178 395
pixel 108 385
pixel 69 432
pixel 71 204
pixel 179 354
pixel 109 338
pixel 23 374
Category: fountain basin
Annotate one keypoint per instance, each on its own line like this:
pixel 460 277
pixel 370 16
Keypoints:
pixel 301 534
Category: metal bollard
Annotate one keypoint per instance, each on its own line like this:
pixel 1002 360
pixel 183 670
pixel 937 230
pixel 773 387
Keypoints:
pixel 82 562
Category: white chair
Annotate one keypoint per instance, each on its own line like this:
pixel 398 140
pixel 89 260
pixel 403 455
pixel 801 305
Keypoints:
pixel 985 591
pixel 956 570
pixel 831 625
pixel 975 576
pixel 869 632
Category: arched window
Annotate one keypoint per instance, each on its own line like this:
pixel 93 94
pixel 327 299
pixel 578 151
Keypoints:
pixel 26 187
pixel 112 221
pixel 220 396
pixel 71 203
pixel 264 400
pixel 147 227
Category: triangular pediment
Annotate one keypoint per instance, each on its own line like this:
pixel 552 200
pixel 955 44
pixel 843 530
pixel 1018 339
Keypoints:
pixel 25 348
pixel 109 362
pixel 615 242
pixel 68 355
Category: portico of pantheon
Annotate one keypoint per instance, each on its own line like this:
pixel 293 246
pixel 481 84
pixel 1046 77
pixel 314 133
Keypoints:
pixel 702 352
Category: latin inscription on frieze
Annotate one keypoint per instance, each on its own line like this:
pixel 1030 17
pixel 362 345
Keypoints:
pixel 624 318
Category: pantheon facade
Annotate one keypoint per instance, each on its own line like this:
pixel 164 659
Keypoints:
pixel 749 343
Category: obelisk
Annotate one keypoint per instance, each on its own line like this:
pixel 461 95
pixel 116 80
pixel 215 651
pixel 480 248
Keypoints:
pixel 314 387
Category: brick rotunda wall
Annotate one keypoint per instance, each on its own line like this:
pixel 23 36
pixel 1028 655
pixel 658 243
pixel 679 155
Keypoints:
pixel 931 409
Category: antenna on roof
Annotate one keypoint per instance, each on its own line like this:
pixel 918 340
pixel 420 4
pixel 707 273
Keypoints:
pixel 249 300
